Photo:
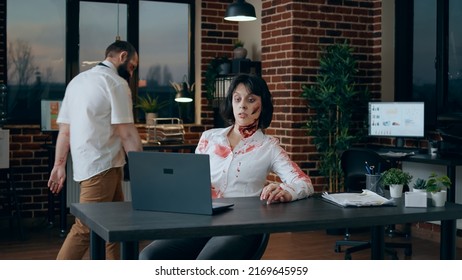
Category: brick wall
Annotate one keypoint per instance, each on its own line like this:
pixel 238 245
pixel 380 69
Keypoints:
pixel 292 33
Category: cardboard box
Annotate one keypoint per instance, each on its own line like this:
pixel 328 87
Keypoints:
pixel 415 199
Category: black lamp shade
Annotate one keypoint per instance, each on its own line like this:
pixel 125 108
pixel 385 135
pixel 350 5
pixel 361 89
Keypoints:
pixel 240 11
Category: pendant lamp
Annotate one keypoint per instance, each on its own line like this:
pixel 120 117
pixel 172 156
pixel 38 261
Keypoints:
pixel 181 97
pixel 240 11
pixel 118 35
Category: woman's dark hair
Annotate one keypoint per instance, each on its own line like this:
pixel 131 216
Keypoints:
pixel 254 85
pixel 120 46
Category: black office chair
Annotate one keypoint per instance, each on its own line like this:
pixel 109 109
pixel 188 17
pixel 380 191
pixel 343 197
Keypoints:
pixel 261 248
pixel 353 166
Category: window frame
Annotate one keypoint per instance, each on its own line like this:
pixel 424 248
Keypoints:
pixel 71 47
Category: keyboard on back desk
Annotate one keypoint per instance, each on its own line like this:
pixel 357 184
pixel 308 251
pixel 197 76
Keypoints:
pixel 398 153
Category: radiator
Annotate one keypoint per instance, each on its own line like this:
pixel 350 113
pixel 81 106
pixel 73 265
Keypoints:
pixel 73 188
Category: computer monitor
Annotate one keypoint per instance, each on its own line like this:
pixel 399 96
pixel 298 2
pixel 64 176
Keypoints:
pixel 396 119
pixel 49 113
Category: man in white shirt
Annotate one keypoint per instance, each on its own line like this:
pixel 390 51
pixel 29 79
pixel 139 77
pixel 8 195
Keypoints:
pixel 96 125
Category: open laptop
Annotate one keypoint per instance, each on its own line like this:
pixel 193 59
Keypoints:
pixel 172 182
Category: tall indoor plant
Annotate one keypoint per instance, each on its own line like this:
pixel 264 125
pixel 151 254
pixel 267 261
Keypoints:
pixel 333 101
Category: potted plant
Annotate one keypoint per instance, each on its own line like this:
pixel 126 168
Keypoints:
pixel 337 109
pixel 420 185
pixel 437 186
pixel 150 106
pixel 396 178
pixel 239 51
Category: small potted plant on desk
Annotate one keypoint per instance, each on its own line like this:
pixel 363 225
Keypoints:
pixel 420 185
pixel 150 106
pixel 437 187
pixel 396 178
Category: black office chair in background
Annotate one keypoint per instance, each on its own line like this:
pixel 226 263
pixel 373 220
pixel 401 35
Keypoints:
pixel 261 248
pixel 353 166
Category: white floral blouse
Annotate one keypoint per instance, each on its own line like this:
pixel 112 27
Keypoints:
pixel 244 170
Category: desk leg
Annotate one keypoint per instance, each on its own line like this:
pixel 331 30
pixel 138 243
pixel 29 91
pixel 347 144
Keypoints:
pixel 448 240
pixel 97 247
pixel 63 211
pixel 451 172
pixel 129 250
pixel 51 209
pixel 377 243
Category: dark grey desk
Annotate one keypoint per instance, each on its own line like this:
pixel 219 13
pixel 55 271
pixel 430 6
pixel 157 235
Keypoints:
pixel 117 222
pixel 450 162
pixel 51 148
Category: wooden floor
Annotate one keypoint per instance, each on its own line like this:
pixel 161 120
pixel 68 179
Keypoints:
pixel 43 243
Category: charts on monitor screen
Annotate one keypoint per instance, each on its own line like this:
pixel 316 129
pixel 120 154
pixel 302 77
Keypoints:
pixel 396 119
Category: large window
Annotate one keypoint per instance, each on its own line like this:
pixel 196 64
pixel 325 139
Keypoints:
pixel 429 58
pixel 35 56
pixel 99 24
pixel 42 57
pixel 424 42
pixel 165 54
pixel 454 97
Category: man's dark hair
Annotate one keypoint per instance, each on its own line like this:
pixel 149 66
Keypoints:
pixel 120 46
pixel 254 85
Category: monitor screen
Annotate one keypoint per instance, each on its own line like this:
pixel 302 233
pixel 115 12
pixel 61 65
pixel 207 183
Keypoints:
pixel 49 111
pixel 396 119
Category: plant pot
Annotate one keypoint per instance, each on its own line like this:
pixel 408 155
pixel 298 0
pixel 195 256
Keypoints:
pixel 240 53
pixel 150 118
pixel 396 191
pixel 438 198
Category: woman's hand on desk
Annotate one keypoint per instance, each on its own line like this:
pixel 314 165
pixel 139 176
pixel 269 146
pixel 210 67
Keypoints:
pixel 273 193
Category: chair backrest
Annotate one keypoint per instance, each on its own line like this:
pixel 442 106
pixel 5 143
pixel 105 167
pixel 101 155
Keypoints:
pixel 261 248
pixel 353 165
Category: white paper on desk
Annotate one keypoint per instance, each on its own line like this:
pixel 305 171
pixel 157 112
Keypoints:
pixel 366 198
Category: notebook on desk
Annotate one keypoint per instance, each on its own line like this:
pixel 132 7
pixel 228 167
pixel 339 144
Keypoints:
pixel 172 182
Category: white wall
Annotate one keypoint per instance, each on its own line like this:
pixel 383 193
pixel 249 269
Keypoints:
pixel 250 33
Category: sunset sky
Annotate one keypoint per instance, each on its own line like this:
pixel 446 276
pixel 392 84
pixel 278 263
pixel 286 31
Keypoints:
pixel 163 33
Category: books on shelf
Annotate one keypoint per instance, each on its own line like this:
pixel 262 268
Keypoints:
pixel 366 198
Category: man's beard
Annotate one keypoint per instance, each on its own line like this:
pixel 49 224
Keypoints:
pixel 123 72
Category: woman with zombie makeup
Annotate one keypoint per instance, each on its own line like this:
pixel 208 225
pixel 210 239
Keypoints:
pixel 241 158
